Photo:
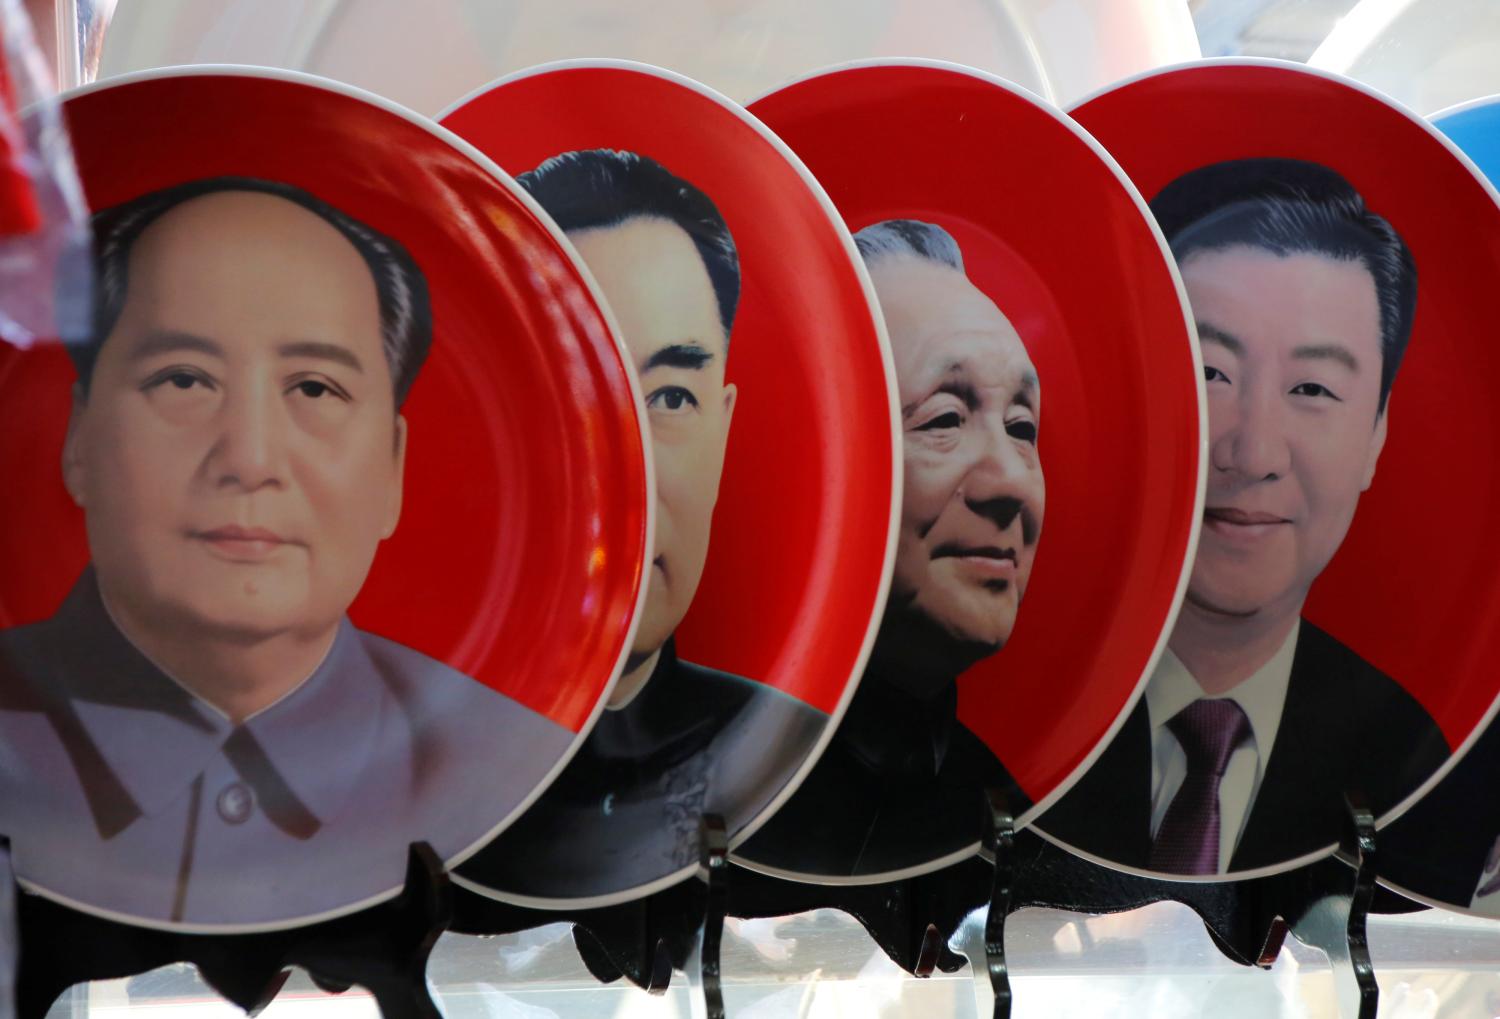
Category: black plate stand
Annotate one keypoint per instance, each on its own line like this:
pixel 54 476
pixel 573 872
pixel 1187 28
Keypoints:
pixel 386 948
pixel 383 949
pixel 913 920
pixel 642 941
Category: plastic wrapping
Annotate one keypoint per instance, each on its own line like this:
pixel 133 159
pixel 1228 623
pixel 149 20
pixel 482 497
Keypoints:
pixel 44 227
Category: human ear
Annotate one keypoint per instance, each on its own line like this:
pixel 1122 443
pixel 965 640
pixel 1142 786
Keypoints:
pixel 730 395
pixel 73 471
pixel 393 509
pixel 1377 443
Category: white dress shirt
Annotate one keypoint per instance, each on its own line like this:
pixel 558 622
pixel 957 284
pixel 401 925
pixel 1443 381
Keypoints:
pixel 1261 696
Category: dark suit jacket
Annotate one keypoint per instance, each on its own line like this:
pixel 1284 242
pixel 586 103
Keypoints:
pixel 625 811
pixel 901 785
pixel 1345 726
pixel 1438 849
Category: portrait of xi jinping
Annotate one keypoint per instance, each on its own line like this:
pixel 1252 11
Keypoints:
pixel 200 734
pixel 1257 722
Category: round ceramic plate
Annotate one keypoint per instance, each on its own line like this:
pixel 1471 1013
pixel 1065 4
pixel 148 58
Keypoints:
pixel 1443 851
pixel 1335 638
pixel 768 390
pixel 1427 54
pixel 334 542
pixel 762 43
pixel 1050 404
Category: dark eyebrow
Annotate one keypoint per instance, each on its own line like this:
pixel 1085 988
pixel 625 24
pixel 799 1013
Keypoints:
pixel 1212 334
pixel 679 355
pixel 1328 352
pixel 170 341
pixel 325 351
pixel 1030 384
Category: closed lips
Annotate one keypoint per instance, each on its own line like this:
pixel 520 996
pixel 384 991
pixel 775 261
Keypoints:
pixel 1243 518
pixel 237 533
pixel 974 552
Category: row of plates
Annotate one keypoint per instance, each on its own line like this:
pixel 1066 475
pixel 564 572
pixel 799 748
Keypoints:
pixel 723 485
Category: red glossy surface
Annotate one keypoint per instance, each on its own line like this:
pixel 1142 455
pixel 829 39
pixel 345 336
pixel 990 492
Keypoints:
pixel 1413 589
pixel 1053 237
pixel 519 554
pixel 800 529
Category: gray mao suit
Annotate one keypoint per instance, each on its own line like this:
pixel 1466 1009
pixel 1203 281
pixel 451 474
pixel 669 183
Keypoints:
pixel 124 793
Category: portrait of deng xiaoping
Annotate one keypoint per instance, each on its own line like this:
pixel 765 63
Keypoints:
pixel 199 734
pixel 903 781
pixel 676 738
pixel 1257 722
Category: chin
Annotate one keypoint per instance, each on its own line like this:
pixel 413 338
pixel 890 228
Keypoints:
pixel 1227 601
pixel 248 622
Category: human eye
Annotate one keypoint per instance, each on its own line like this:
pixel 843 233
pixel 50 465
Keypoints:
pixel 940 421
pixel 315 387
pixel 1315 389
pixel 178 378
pixel 672 400
pixel 1212 374
pixel 1022 430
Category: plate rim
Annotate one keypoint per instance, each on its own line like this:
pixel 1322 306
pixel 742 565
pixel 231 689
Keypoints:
pixel 1027 817
pixel 1458 752
pixel 478 158
pixel 867 288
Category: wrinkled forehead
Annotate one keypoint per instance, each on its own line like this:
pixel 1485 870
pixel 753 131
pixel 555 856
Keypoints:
pixel 940 322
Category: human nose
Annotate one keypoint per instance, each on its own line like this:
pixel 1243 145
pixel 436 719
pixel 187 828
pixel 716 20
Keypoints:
pixel 1249 437
pixel 249 451
pixel 1005 483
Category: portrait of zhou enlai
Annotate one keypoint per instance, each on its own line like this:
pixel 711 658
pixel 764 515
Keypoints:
pixel 904 780
pixel 676 737
pixel 1256 723
pixel 199 734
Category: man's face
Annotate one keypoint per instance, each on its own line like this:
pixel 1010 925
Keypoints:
pixel 974 495
pixel 1292 360
pixel 238 455
pixel 658 288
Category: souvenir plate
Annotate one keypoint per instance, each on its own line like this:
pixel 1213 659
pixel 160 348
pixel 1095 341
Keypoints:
pixel 334 541
pixel 1443 851
pixel 767 386
pixel 1050 399
pixel 740 53
pixel 1337 633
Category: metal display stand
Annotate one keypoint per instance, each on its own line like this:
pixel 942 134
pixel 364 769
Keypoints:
pixel 913 921
pixel 1324 905
pixel 644 940
pixel 383 949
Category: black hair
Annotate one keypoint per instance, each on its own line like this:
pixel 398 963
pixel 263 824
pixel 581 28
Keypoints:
pixel 606 187
pixel 400 286
pixel 909 237
pixel 1290 206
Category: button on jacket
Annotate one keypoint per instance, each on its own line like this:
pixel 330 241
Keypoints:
pixel 124 793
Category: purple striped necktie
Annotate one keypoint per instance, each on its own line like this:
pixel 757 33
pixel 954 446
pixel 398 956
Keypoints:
pixel 1209 732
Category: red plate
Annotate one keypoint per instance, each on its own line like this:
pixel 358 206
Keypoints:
pixel 1388 675
pixel 796 572
pixel 1057 241
pixel 503 602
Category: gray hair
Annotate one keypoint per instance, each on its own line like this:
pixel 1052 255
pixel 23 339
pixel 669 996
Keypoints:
pixel 910 237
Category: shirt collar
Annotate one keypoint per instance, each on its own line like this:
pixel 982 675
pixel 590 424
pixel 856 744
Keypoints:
pixel 156 736
pixel 1261 695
